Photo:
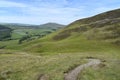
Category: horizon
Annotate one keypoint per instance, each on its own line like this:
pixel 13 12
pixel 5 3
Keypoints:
pixel 48 11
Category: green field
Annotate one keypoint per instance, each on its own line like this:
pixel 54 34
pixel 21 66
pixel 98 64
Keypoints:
pixel 18 33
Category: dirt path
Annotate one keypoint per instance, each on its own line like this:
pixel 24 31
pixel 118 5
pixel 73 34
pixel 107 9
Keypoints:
pixel 72 75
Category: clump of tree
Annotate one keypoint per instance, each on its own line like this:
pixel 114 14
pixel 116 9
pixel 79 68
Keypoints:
pixel 47 32
pixel 28 37
pixel 24 38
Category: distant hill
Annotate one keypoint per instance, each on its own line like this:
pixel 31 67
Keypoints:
pixel 46 25
pixel 18 25
pixel 51 25
pixel 20 30
pixel 5 32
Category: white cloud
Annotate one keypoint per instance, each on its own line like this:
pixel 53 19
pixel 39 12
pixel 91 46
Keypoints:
pixel 47 11
pixel 42 11
pixel 53 2
pixel 4 3
pixel 51 11
pixel 38 19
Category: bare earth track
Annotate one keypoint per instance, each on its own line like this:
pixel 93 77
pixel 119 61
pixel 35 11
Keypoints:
pixel 72 75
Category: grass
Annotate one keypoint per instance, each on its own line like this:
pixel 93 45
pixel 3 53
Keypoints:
pixel 18 33
pixel 75 43
pixel 109 72
pixel 52 58
pixel 23 66
pixel 9 44
pixel 76 46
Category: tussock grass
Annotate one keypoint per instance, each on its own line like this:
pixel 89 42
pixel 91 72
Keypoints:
pixel 109 72
pixel 23 66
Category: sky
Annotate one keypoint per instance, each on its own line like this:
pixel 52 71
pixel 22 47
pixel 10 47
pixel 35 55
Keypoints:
pixel 58 11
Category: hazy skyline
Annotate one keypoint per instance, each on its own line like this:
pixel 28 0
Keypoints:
pixel 59 11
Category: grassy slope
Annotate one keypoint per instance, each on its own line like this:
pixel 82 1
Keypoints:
pixel 79 42
pixel 83 36
pixel 58 56
pixel 109 71
pixel 24 66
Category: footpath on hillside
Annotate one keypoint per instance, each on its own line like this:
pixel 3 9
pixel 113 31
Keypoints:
pixel 73 74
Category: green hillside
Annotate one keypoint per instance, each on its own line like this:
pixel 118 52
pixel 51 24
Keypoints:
pixel 5 32
pixel 97 36
pixel 53 56
pixel 102 26
pixel 97 33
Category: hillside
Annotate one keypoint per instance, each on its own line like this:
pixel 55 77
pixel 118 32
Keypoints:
pixel 54 56
pixel 104 26
pixel 19 26
pixel 97 33
pixel 5 32
pixel 106 15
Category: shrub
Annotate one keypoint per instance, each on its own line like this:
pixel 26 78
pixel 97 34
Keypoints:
pixel 24 38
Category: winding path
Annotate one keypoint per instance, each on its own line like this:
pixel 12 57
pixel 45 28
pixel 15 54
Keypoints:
pixel 73 75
